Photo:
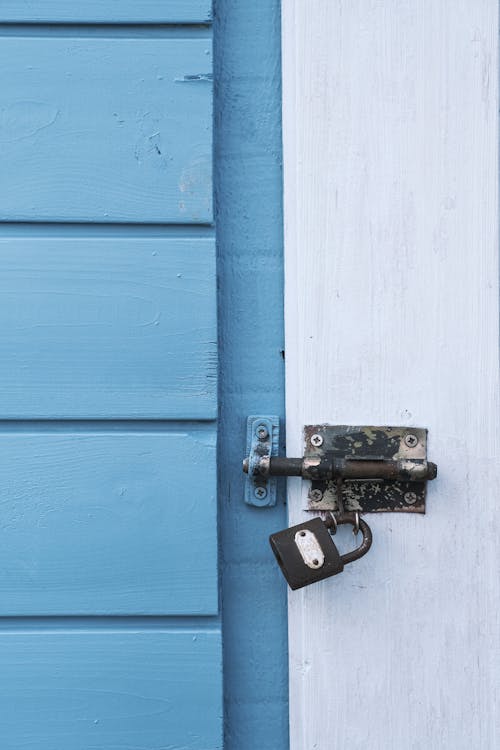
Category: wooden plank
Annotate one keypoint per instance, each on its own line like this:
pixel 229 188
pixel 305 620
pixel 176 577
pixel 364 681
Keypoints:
pixel 111 327
pixel 85 690
pixel 391 216
pixel 106 129
pixel 114 523
pixel 250 272
pixel 106 11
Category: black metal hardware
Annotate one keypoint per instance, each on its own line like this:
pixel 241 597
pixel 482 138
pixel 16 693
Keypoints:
pixel 306 553
pixel 329 468
pixel 359 525
pixel 365 469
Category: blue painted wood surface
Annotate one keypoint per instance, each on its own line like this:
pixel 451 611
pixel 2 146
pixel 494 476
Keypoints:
pixel 101 690
pixel 106 11
pixel 110 635
pixel 250 262
pixel 108 522
pixel 106 129
pixel 107 326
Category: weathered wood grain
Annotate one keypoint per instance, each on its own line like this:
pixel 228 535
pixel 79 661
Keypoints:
pixel 85 690
pixel 391 248
pixel 112 327
pixel 106 11
pixel 108 523
pixel 106 129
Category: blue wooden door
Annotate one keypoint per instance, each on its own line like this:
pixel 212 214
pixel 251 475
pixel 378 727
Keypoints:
pixel 109 628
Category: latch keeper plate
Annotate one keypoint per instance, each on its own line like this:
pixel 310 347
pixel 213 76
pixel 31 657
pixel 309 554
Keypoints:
pixel 262 443
pixel 405 446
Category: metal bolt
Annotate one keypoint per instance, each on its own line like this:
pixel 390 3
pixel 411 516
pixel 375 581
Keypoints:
pixel 411 440
pixel 411 498
pixel 315 495
pixel 316 440
pixel 262 432
pixel 260 493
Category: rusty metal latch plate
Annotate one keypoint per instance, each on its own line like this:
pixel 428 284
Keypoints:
pixel 401 446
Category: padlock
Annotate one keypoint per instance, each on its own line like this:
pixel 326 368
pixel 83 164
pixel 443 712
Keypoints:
pixel 306 553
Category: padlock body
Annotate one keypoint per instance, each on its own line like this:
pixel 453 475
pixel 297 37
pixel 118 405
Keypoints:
pixel 306 553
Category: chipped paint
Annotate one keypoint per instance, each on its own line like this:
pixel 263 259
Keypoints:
pixel 377 467
pixel 190 78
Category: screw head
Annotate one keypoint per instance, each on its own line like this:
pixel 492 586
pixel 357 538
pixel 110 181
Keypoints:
pixel 315 495
pixel 262 432
pixel 316 440
pixel 411 440
pixel 411 498
pixel 260 493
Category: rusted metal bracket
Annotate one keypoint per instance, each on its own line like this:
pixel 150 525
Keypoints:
pixel 364 469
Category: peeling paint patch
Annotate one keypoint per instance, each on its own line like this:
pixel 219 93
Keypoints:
pixel 195 185
pixel 22 119
pixel 196 175
pixel 149 146
pixel 195 77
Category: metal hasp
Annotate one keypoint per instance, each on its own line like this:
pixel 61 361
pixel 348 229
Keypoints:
pixel 364 469
pixel 262 444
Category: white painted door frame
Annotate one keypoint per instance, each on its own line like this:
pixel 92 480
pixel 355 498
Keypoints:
pixel 390 121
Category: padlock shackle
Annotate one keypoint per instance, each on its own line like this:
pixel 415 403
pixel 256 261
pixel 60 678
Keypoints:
pixel 366 543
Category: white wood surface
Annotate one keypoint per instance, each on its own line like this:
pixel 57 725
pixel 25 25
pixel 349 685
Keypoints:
pixel 391 171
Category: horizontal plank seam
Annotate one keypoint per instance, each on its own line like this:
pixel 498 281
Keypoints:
pixel 86 623
pixel 61 424
pixel 83 229
pixel 119 29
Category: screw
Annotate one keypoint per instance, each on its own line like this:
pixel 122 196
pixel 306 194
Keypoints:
pixel 315 495
pixel 260 493
pixel 262 432
pixel 411 440
pixel 316 440
pixel 411 498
